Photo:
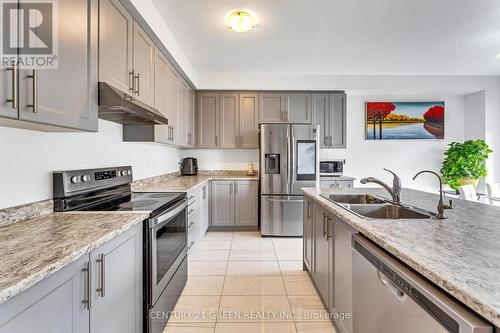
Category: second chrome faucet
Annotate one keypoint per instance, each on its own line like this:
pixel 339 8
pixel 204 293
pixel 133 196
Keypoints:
pixel 395 191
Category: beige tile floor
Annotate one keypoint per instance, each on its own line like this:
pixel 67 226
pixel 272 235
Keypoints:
pixel 240 282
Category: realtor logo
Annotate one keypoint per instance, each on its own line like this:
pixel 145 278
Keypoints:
pixel 29 34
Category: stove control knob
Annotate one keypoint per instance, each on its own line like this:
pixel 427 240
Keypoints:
pixel 129 172
pixel 123 172
pixel 85 178
pixel 75 179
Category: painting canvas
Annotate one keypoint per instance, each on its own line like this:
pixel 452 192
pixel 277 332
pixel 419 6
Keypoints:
pixel 404 120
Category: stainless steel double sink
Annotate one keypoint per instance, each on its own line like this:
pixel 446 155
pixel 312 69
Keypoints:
pixel 368 206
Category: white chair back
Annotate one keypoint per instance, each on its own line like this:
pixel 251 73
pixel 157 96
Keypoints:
pixel 467 192
pixel 493 190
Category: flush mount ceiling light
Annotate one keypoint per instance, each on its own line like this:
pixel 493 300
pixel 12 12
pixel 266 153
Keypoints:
pixel 241 20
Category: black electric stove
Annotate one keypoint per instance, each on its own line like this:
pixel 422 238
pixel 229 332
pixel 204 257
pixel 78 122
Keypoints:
pixel 164 236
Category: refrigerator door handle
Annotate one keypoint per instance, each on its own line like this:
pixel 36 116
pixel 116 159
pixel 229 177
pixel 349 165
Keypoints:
pixel 291 162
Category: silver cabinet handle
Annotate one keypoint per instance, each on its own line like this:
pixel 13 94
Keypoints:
pixel 102 282
pixel 309 210
pixel 173 133
pixel 190 245
pixel 13 100
pixel 33 76
pixel 217 140
pixel 87 286
pixel 324 224
pixel 131 82
pixel 137 77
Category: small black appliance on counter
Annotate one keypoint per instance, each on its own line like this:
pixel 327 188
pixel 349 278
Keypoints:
pixel 189 166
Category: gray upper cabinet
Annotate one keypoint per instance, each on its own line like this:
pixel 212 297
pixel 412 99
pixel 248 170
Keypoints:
pixel 208 120
pixel 271 108
pixel 228 120
pixel 182 138
pixel 117 284
pixel 298 108
pixel 53 305
pixel 222 203
pixel 162 69
pixel 173 103
pixel 8 95
pixel 66 96
pixel 246 195
pixel 321 117
pixel 339 122
pixel 116 28
pixel 191 118
pixel 143 60
pixel 329 112
pixel 248 121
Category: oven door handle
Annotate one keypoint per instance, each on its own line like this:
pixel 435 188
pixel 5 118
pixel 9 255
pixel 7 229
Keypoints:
pixel 163 219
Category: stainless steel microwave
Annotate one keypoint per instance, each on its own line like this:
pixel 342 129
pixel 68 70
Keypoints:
pixel 331 168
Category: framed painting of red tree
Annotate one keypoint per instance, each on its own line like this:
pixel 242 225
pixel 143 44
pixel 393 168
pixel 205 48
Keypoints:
pixel 404 120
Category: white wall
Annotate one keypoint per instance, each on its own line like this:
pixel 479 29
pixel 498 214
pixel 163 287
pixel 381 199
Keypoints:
pixel 405 157
pixel 475 116
pixel 27 159
pixel 223 159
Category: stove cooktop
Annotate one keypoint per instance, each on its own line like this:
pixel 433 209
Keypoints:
pixel 138 201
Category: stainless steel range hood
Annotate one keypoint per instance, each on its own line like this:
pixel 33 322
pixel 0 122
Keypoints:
pixel 121 108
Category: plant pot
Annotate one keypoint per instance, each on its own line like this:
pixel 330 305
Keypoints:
pixel 468 181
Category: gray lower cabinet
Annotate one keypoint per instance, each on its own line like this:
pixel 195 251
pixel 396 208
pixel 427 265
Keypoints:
pixel 329 112
pixel 205 208
pixel 341 298
pixel 308 246
pixel 246 202
pixel 222 203
pixel 64 97
pixel 323 246
pixel 100 292
pixel 234 203
pixel 53 305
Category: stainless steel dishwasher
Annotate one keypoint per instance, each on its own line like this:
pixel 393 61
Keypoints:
pixel 388 297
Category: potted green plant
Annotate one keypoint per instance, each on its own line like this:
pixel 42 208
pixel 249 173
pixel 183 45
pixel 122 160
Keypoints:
pixel 464 163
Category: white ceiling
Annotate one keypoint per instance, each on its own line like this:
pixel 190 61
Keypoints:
pixel 316 37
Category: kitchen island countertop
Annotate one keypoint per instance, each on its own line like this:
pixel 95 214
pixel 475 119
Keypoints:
pixel 460 254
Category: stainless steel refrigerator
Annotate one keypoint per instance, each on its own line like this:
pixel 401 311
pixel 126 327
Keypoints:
pixel 289 161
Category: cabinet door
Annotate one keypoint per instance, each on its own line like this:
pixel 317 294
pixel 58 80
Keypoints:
pixel 245 202
pixel 66 96
pixel 271 108
pixel 338 120
pixel 8 80
pixel 117 284
pixel 144 50
pixel 52 305
pixel 208 120
pixel 182 138
pixel 321 256
pixel 248 121
pixel 321 116
pixel 205 217
pixel 308 234
pixel 116 28
pixel 345 183
pixel 298 108
pixel 191 119
pixel 342 273
pixel 173 102
pixel 228 120
pixel 222 203
pixel 162 69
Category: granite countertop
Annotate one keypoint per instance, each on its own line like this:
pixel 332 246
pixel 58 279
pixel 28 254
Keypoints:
pixel 34 249
pixel 460 254
pixel 187 183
